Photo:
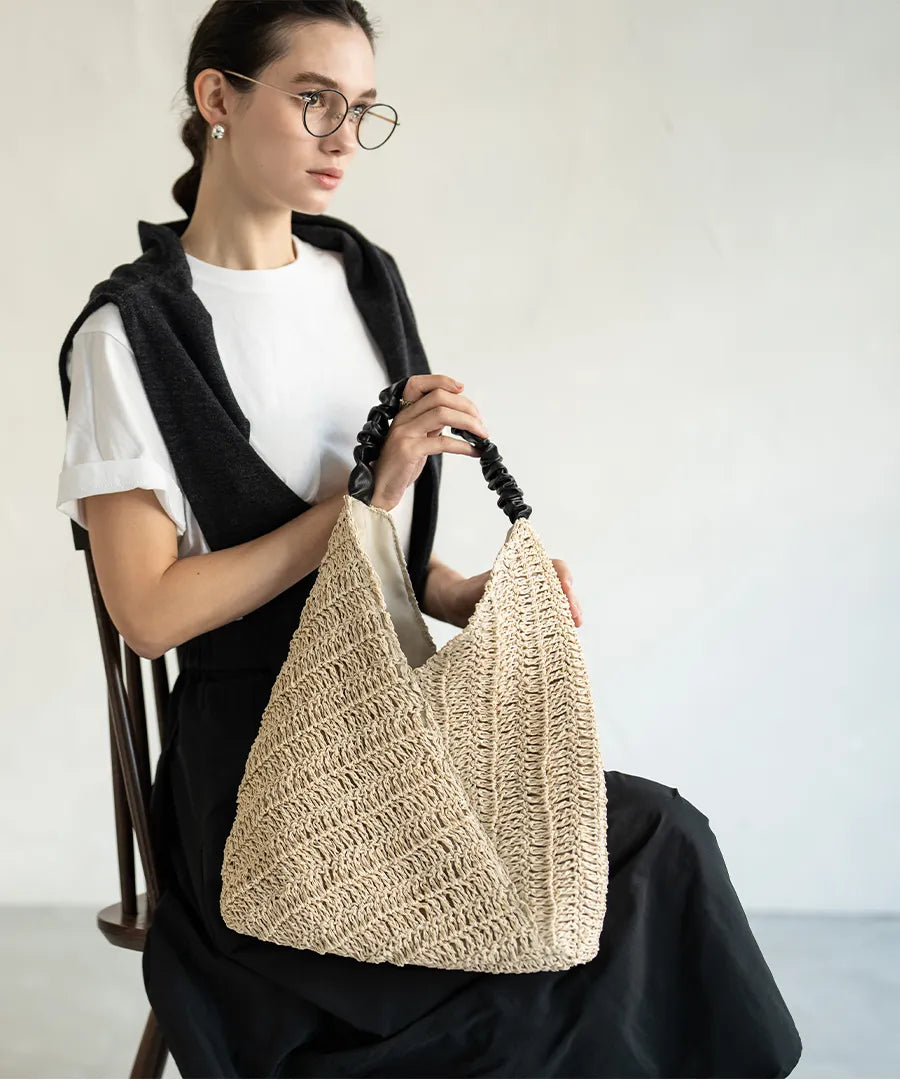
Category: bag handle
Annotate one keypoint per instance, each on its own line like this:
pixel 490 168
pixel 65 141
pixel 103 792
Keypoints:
pixel 361 484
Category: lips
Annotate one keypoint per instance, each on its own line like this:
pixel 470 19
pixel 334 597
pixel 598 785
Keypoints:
pixel 336 173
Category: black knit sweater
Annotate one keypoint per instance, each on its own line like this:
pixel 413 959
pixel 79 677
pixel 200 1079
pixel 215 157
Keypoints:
pixel 232 491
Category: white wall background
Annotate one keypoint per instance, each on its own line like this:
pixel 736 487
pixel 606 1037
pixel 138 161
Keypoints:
pixel 663 257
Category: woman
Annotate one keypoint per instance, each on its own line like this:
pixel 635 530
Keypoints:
pixel 214 389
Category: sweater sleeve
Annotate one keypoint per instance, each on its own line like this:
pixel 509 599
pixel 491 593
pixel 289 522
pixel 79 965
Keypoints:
pixel 113 442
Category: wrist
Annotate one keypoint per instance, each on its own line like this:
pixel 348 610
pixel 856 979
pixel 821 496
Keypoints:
pixel 379 500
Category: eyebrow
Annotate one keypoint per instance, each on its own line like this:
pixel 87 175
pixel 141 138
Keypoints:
pixel 317 78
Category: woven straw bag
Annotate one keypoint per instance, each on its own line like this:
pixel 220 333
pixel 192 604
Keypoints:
pixel 413 805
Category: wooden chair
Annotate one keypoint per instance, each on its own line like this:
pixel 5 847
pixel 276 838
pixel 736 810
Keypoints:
pixel 125 923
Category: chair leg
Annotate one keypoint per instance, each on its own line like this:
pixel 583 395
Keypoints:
pixel 152 1053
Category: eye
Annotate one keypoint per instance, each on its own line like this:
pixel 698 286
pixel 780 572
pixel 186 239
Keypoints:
pixel 308 97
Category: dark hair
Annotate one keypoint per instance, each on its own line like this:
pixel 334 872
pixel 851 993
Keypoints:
pixel 247 36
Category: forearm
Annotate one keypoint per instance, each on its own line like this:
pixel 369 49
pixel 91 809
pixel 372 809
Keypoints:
pixel 437 603
pixel 202 592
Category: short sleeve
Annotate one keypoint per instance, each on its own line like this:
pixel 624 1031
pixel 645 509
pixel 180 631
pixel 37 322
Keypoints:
pixel 113 442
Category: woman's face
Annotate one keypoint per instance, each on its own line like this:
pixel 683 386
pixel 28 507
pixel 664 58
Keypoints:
pixel 272 153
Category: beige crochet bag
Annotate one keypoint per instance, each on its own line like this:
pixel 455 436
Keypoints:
pixel 413 805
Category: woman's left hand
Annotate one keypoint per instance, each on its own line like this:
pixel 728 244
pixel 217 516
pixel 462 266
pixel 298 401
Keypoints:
pixel 461 595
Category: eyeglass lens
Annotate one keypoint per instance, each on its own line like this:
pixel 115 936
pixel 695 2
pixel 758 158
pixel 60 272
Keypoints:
pixel 326 110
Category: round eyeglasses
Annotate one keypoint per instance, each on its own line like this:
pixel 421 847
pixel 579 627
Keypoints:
pixel 324 112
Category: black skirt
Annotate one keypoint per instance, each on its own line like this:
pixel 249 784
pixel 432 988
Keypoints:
pixel 679 986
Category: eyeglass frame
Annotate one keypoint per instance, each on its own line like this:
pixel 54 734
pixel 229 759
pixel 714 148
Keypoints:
pixel 303 95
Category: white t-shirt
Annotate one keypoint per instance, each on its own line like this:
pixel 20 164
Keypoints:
pixel 299 359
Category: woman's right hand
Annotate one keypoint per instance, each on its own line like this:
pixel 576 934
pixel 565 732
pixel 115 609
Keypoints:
pixel 415 432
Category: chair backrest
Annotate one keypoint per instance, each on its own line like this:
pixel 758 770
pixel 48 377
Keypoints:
pixel 129 746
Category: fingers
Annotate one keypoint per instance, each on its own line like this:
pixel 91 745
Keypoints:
pixel 445 444
pixel 417 385
pixel 440 407
pixel 563 573
pixel 441 387
pixel 566 580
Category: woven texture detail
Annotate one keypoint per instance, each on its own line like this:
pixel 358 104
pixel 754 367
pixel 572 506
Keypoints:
pixel 450 814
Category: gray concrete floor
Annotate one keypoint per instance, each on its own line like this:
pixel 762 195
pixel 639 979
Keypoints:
pixel 71 1005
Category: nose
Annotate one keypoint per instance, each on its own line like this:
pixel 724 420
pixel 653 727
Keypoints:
pixel 344 139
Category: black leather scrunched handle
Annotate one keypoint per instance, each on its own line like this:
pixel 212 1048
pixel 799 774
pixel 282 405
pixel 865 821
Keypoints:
pixel 361 484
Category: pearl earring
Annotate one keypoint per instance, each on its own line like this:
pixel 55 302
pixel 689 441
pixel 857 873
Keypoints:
pixel 218 131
